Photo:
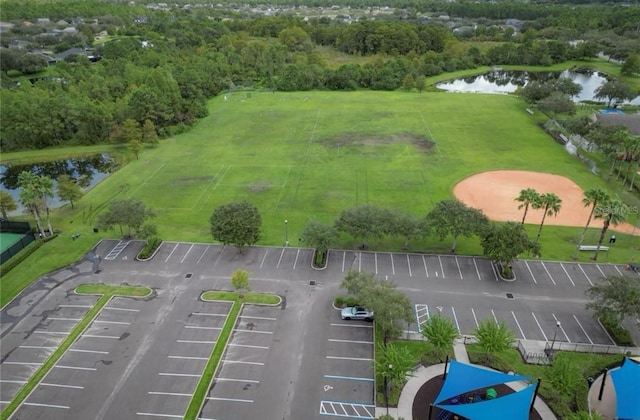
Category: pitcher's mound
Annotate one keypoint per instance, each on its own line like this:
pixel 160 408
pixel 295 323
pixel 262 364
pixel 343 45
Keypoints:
pixel 494 192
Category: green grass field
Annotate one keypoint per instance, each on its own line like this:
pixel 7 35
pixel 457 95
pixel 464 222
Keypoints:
pixel 305 155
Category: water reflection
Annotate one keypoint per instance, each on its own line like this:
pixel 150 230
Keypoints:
pixel 505 82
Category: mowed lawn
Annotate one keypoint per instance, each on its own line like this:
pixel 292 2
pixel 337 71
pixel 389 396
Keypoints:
pixel 306 155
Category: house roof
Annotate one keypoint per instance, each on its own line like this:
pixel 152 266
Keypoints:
pixel 631 121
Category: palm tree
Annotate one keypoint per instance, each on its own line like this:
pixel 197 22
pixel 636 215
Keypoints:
pixel 551 204
pixel 528 197
pixel 592 197
pixel 611 212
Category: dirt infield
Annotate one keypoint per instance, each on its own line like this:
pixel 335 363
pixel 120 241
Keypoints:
pixel 495 191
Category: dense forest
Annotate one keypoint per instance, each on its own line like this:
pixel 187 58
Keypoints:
pixel 137 73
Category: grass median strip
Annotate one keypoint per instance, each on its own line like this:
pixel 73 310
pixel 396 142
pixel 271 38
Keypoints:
pixel 106 292
pixel 195 405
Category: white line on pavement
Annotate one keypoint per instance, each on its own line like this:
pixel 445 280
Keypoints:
pixel 333 340
pixel 530 272
pixel 61 385
pixel 518 324
pixel 567 273
pixel 583 330
pixel 541 330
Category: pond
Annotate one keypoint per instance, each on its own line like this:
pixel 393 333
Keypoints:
pixel 504 82
pixel 87 171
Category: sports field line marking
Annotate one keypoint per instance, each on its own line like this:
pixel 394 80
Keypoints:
pixel 61 385
pixel 583 330
pixel 66 407
pixel 251 381
pixel 567 273
pixel 229 399
pixel 335 340
pixel 541 330
pixel 135 190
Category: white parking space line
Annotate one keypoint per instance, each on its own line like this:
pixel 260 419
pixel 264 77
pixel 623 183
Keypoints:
pixel 458 264
pixel 475 319
pixel 207 314
pixel 280 259
pixel 441 268
pixel 89 351
pixel 22 363
pixel 264 258
pixel 561 328
pixel 393 266
pixel 424 262
pixel 295 262
pixel 375 261
pixel 409 265
pixel 186 375
pixel 61 385
pixel 567 273
pixel 351 325
pixel 73 367
pixel 171 416
pixel 247 346
pixel 241 362
pixel 196 341
pixel 583 330
pixel 585 274
pixel 349 358
pixel 202 256
pixel 46 405
pixel 75 306
pixel 229 399
pixel 603 328
pixel 333 340
pixel 187 254
pixel 541 330
pixel 258 317
pixel 188 357
pixel 37 347
pixel 548 273
pixel 253 331
pixel 51 332
pixel 476 266
pixel 530 272
pixel 113 337
pixel 251 381
pixel 99 321
pixel 494 317
pixel 172 394
pixel 113 308
pixel 524 337
pixel 64 319
pixel 197 327
pixel 455 318
pixel 172 251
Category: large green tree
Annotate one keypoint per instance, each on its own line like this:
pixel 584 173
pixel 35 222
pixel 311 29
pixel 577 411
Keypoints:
pixel 131 213
pixel 615 298
pixel 592 197
pixel 453 217
pixel 7 204
pixel 502 243
pixel 238 223
pixel 612 212
pixel 550 204
pixel 68 189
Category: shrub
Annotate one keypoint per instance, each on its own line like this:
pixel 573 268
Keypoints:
pixel 149 248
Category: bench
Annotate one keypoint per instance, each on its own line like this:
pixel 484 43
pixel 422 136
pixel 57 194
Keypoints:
pixel 530 112
pixel 592 248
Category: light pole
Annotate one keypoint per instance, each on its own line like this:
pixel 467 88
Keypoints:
pixel 286 232
pixel 386 387
pixel 555 334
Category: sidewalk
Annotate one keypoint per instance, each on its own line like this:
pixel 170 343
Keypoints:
pixel 423 374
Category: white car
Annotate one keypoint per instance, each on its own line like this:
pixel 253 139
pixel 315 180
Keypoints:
pixel 356 312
